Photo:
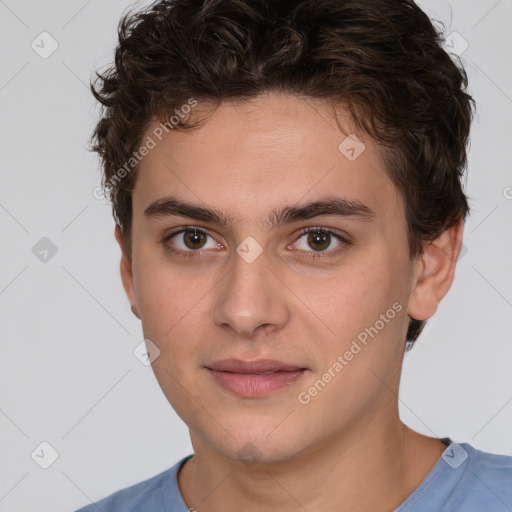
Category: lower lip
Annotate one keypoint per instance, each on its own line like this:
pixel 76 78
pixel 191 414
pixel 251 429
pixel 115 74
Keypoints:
pixel 251 385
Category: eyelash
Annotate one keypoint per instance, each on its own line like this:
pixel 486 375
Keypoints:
pixel 309 254
pixel 185 254
pixel 345 244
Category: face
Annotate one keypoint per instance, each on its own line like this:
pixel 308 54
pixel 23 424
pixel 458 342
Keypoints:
pixel 270 267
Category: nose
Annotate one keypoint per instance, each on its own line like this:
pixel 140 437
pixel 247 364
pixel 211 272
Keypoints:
pixel 252 299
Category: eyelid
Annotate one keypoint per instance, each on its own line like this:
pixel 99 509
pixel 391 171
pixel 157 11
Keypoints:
pixel 343 239
pixel 183 229
pixel 323 229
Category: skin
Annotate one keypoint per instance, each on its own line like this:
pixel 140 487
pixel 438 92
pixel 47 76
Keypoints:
pixel 347 445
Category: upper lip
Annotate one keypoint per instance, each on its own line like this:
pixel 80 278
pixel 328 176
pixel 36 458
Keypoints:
pixel 258 366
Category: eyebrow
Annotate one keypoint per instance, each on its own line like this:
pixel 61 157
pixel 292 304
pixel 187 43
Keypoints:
pixel 332 206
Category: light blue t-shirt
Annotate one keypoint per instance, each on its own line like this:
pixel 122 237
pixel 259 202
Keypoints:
pixel 463 480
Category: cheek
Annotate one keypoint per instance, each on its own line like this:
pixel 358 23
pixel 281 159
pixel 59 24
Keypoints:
pixel 174 306
pixel 171 300
pixel 349 300
pixel 175 309
pixel 364 315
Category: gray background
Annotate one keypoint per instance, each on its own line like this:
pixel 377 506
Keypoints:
pixel 68 375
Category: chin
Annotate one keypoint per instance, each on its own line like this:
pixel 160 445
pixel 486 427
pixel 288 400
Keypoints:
pixel 255 451
pixel 253 442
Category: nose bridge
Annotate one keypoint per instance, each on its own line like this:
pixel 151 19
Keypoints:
pixel 250 297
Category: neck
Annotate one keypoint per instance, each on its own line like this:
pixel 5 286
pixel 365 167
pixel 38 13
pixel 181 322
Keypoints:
pixel 366 470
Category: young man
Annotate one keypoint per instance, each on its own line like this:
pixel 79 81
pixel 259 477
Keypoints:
pixel 285 179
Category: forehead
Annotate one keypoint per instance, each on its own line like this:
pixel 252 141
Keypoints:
pixel 252 157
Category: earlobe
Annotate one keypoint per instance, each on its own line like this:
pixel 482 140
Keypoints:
pixel 126 272
pixel 435 272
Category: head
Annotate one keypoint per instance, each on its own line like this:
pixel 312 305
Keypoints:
pixel 316 151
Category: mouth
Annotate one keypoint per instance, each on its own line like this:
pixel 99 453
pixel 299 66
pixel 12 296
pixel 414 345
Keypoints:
pixel 254 379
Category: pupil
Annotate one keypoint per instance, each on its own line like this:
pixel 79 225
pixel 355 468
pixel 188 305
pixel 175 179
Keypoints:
pixel 194 239
pixel 318 240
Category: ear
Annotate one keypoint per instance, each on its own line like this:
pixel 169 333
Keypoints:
pixel 126 271
pixel 435 272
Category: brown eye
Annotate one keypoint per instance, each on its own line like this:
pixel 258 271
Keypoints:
pixel 190 240
pixel 319 240
pixel 194 239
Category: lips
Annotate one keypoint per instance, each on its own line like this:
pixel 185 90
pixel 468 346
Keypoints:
pixel 252 367
pixel 254 378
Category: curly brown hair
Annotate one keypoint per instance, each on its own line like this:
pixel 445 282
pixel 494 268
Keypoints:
pixel 382 59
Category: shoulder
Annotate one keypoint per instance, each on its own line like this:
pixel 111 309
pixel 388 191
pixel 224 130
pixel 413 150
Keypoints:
pixel 495 468
pixel 486 479
pixel 147 496
pixel 464 479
